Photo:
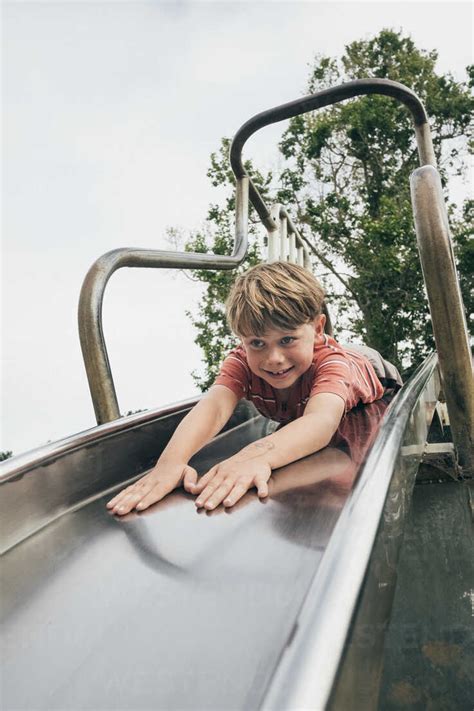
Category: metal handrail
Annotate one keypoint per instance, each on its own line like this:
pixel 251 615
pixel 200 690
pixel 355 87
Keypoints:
pixel 308 666
pixel 90 305
pixel 434 244
pixel 286 242
pixel 91 334
pixel 446 307
pixel 348 90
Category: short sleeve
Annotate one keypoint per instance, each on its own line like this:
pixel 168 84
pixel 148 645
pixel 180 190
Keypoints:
pixel 234 374
pixel 333 376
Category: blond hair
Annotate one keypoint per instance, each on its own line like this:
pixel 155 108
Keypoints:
pixel 277 295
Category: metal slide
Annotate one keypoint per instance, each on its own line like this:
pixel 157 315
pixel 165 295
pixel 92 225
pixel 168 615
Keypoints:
pixel 258 607
pixel 174 609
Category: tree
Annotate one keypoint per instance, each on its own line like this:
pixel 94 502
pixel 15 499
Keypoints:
pixel 213 334
pixel 347 174
pixel 5 455
pixel 463 229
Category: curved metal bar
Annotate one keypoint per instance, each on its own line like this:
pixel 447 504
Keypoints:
pixel 446 307
pixel 42 485
pixel 287 227
pixel 328 97
pixel 278 240
pixel 434 242
pixel 66 552
pixel 43 456
pixel 309 664
pixel 91 334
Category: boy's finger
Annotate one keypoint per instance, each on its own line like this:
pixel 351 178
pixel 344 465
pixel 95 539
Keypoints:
pixel 122 499
pixel 244 500
pixel 190 479
pixel 129 497
pixel 237 492
pixel 262 487
pixel 158 492
pixel 127 503
pixel 204 480
pixel 216 496
pixel 119 496
pixel 208 492
pixel 140 485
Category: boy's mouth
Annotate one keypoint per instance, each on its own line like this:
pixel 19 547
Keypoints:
pixel 279 373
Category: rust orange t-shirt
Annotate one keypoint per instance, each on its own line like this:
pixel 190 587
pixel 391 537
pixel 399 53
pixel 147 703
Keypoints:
pixel 334 370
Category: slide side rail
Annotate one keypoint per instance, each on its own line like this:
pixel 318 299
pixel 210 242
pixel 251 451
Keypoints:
pixel 434 244
pixel 430 216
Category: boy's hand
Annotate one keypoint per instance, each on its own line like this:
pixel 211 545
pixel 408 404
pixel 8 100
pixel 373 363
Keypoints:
pixel 152 487
pixel 228 481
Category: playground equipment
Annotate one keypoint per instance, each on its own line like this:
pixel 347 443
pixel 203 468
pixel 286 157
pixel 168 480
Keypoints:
pixel 257 608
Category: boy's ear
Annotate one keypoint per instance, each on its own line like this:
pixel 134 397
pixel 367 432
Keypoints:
pixel 319 323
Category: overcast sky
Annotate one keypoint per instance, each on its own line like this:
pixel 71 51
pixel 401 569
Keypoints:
pixel 110 112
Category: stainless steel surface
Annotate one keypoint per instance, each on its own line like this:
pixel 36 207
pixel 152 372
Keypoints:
pixel 308 666
pixel 360 672
pixel 279 248
pixel 40 486
pixel 93 346
pixel 285 242
pixel 224 610
pixel 446 307
pixel 319 100
pixel 429 651
pixel 171 608
pixel 436 252
pixel 91 334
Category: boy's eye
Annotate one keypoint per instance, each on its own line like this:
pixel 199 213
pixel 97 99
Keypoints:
pixel 287 339
pixel 256 343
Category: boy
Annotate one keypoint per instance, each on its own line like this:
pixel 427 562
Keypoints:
pixel 289 368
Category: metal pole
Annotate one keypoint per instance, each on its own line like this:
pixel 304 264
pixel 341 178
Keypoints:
pixel 446 307
pixel 434 243
pixel 91 333
pixel 283 239
pixel 273 235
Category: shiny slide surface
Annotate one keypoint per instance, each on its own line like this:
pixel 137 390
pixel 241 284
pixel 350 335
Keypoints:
pixel 171 608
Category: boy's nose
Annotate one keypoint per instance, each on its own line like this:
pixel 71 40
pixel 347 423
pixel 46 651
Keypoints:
pixel 275 357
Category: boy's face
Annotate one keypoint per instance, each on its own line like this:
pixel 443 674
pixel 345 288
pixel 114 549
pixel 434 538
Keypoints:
pixel 281 357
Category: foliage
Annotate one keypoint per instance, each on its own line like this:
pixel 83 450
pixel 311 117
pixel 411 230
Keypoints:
pixel 214 336
pixel 346 174
pixel 349 170
pixel 5 455
pixel 463 230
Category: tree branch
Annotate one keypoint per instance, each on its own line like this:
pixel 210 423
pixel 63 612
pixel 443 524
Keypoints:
pixel 329 266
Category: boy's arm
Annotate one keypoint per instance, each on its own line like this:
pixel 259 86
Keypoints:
pixel 205 420
pixel 305 435
pixel 252 466
pixel 200 425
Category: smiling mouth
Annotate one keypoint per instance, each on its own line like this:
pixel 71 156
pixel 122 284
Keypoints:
pixel 279 373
